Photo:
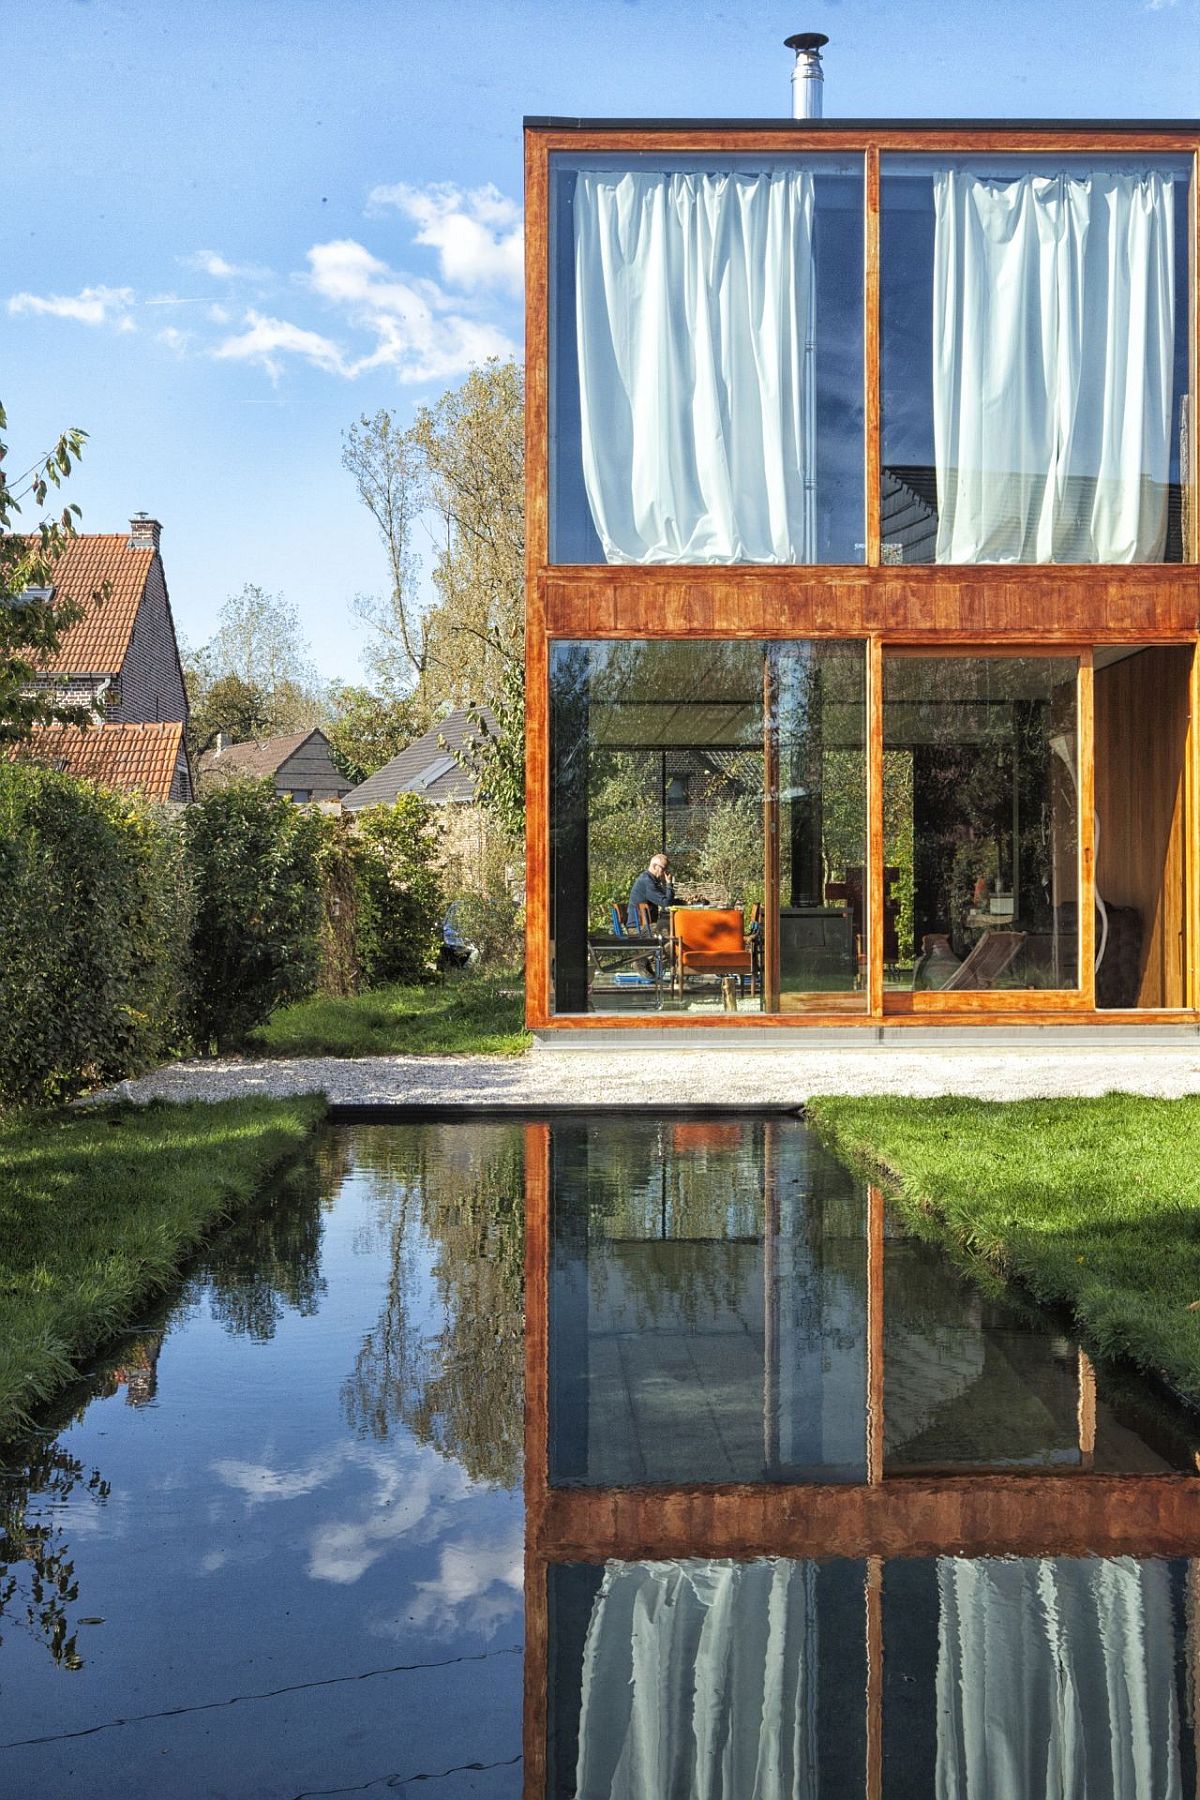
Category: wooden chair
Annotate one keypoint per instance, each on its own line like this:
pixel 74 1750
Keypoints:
pixel 988 960
pixel 710 940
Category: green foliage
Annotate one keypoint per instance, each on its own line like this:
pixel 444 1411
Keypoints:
pixel 32 629
pixel 100 1207
pixel 400 899
pixel 1090 1204
pixel 96 913
pixel 366 730
pixel 255 677
pixel 254 860
pixel 464 1015
pixel 338 862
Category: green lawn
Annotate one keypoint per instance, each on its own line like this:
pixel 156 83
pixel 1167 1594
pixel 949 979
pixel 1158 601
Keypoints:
pixel 459 1015
pixel 1091 1204
pixel 99 1209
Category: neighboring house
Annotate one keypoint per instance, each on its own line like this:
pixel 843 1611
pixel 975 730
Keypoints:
pixel 121 660
pixel 299 764
pixel 429 767
pixel 862 455
pixel 146 759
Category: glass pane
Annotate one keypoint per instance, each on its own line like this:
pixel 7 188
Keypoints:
pixel 1034 332
pixel 696 785
pixel 1142 712
pixel 706 352
pixel 980 822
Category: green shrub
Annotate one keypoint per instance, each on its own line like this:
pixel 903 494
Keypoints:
pixel 400 899
pixel 96 911
pixel 337 860
pixel 254 861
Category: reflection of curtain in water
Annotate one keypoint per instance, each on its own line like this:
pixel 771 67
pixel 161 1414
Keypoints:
pixel 1053 348
pixel 695 312
pixel 699 1683
pixel 1055 1681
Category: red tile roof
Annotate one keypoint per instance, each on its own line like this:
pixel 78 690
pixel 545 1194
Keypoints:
pixel 131 758
pixel 96 645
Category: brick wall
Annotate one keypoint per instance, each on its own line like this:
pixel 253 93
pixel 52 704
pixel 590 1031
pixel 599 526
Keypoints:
pixel 151 686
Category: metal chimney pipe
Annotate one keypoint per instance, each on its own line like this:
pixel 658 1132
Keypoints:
pixel 808 79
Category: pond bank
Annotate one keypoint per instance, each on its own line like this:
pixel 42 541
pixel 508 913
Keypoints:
pixel 629 1076
pixel 1091 1204
pixel 100 1208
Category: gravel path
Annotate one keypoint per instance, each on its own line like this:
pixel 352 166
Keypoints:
pixel 627 1077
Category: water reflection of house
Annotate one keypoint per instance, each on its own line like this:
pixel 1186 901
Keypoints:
pixel 1001 1573
pixel 138 1372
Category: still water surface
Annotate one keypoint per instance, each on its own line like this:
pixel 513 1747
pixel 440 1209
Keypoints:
pixel 281 1544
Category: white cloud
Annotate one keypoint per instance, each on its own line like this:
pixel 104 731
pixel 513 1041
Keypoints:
pixel 421 332
pixel 211 262
pixel 478 1587
pixel 90 306
pixel 174 339
pixel 477 232
pixel 266 340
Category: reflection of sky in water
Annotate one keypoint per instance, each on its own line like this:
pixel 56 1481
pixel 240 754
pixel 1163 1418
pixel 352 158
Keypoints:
pixel 255 1539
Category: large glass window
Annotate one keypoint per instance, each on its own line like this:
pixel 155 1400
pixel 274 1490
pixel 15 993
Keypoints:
pixel 980 822
pixel 708 825
pixel 1034 358
pixel 706 390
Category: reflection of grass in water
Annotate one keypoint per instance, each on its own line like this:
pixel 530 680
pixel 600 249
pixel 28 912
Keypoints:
pixel 1092 1204
pixel 100 1208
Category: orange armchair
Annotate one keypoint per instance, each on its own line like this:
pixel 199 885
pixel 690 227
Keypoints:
pixel 710 940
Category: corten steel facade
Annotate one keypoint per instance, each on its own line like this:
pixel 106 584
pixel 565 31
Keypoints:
pixel 929 751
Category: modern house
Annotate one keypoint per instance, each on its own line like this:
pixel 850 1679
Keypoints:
pixel 862 570
pixel 120 660
pixel 299 764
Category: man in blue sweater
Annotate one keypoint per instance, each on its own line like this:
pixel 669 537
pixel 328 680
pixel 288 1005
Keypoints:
pixel 653 888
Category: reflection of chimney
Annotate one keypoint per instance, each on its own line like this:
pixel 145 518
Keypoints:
pixel 808 80
pixel 143 532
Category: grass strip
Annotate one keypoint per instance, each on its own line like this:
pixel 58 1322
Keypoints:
pixel 457 1016
pixel 99 1209
pixel 1091 1204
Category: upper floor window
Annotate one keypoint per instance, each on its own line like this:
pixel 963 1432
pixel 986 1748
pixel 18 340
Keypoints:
pixel 706 359
pixel 1034 321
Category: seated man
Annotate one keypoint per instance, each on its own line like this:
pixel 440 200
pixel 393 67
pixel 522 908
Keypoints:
pixel 653 889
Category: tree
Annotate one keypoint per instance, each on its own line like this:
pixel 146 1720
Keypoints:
pixel 32 619
pixel 231 706
pixel 254 677
pixel 365 730
pixel 461 461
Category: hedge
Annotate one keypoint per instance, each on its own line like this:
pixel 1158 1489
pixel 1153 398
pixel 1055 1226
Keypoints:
pixel 132 932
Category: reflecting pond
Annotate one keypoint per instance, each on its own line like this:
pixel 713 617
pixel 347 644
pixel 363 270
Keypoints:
pixel 757 1496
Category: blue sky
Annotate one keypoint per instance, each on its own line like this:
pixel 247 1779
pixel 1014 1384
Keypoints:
pixel 230 228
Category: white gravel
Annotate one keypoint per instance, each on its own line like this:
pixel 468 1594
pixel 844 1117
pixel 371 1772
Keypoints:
pixel 629 1077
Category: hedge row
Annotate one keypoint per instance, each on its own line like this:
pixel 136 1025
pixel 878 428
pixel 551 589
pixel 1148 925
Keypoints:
pixel 132 932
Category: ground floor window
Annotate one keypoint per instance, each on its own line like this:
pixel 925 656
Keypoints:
pixel 981 822
pixel 710 808
pixel 708 825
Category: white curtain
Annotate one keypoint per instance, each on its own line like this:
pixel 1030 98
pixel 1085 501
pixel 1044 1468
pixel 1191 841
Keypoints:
pixel 699 1683
pixel 695 312
pixel 1053 346
pixel 1055 1680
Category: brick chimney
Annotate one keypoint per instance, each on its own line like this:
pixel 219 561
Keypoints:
pixel 143 532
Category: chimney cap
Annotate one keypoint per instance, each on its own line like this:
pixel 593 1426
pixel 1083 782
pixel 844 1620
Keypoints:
pixel 805 40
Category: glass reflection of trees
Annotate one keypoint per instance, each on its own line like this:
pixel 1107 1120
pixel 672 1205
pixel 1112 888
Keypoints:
pixel 456 1381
